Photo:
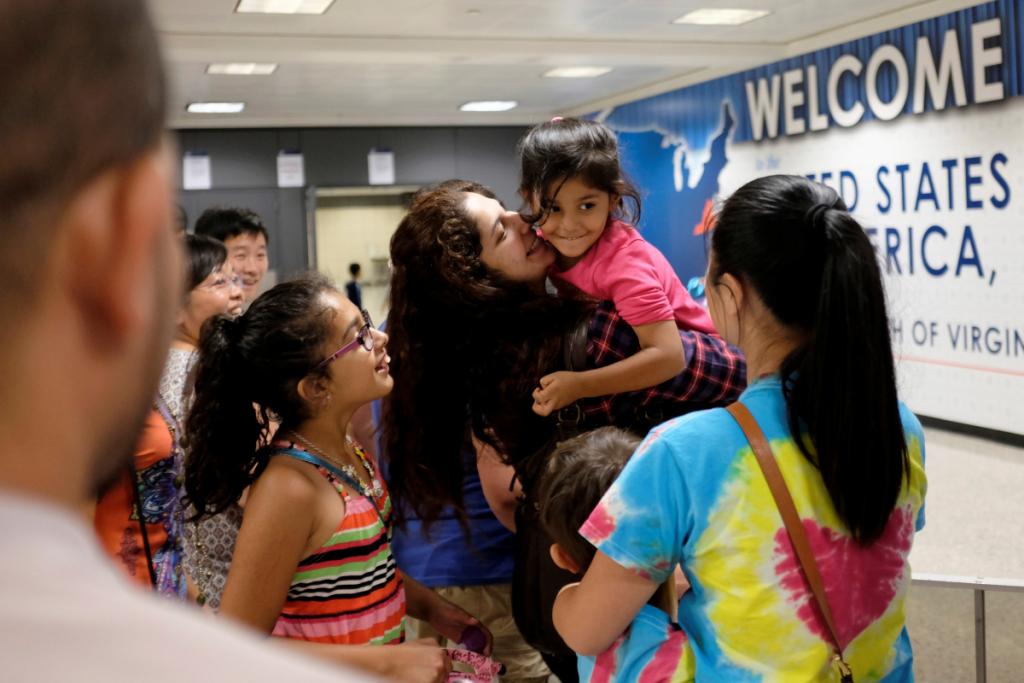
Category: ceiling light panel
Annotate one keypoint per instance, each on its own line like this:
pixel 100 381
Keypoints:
pixel 721 17
pixel 489 105
pixel 215 107
pixel 577 72
pixel 283 6
pixel 241 69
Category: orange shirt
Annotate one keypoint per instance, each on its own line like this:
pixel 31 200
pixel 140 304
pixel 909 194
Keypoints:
pixel 158 473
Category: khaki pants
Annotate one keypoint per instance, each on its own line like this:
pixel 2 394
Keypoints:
pixel 492 605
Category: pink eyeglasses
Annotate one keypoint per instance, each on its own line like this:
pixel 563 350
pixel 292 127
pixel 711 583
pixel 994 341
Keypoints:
pixel 364 338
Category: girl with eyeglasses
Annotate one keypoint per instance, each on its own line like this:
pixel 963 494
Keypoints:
pixel 313 563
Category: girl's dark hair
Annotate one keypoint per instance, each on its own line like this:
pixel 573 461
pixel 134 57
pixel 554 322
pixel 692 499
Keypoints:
pixel 560 149
pixel 576 476
pixel 204 255
pixel 811 263
pixel 467 347
pixel 254 360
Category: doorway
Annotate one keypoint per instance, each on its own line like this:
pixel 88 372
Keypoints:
pixel 354 225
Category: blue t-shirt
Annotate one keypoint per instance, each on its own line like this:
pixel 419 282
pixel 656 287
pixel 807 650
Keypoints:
pixel 446 557
pixel 354 291
pixel 693 494
pixel 653 650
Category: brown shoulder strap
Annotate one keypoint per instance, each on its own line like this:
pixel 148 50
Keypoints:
pixel 794 527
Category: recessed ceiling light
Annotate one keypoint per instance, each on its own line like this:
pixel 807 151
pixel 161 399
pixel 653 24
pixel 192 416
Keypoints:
pixel 721 17
pixel 215 107
pixel 241 69
pixel 577 72
pixel 283 6
pixel 489 105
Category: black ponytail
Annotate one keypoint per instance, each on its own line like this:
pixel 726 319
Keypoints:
pixel 256 360
pixel 811 263
pixel 223 428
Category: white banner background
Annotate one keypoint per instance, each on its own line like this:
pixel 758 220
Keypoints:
pixel 946 369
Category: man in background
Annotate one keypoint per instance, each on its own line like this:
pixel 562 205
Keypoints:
pixel 352 288
pixel 90 277
pixel 243 233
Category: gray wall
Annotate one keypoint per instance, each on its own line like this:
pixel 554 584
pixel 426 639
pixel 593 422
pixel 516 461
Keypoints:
pixel 244 170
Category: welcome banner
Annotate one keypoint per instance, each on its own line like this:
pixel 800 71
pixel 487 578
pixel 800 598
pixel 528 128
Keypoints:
pixel 921 130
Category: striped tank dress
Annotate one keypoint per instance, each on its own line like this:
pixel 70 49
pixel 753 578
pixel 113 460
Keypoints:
pixel 350 590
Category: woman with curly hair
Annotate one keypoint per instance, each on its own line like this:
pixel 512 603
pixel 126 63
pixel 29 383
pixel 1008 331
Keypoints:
pixel 473 328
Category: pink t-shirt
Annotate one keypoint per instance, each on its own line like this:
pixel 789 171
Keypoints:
pixel 624 268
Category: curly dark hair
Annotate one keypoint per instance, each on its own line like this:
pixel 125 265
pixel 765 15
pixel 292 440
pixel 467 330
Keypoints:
pixel 256 359
pixel 467 348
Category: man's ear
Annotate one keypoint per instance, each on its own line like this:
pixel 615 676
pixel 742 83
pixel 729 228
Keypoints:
pixel 110 243
pixel 562 559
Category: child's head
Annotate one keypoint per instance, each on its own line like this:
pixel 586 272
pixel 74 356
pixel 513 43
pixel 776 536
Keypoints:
pixel 578 473
pixel 572 180
pixel 354 269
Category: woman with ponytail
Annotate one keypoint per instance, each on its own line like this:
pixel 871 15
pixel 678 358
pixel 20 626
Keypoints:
pixel 313 562
pixel 794 282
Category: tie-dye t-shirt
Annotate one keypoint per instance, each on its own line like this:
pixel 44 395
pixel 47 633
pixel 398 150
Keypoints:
pixel 693 494
pixel 653 650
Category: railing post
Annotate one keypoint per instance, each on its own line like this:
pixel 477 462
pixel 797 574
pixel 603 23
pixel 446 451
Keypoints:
pixel 979 635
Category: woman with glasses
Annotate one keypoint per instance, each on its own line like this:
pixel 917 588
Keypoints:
pixel 151 548
pixel 313 562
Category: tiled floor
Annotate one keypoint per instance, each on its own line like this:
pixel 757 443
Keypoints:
pixel 975 527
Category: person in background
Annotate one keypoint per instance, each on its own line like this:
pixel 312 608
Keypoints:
pixel 140 518
pixel 243 233
pixel 794 282
pixel 352 288
pixel 217 291
pixel 90 279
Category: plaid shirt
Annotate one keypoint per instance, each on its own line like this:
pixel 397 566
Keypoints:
pixel 715 375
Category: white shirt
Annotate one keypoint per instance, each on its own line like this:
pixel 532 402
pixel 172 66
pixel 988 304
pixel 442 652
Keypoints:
pixel 66 615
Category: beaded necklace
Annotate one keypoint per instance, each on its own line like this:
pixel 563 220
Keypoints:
pixel 315 455
pixel 374 490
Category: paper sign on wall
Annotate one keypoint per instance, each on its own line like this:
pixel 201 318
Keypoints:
pixel 291 169
pixel 380 165
pixel 195 171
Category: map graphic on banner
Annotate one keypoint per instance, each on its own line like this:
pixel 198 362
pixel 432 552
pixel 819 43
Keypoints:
pixel 921 131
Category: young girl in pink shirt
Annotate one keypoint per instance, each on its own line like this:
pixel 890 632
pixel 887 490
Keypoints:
pixel 573 182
